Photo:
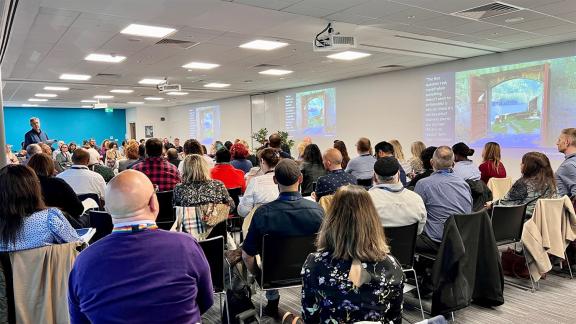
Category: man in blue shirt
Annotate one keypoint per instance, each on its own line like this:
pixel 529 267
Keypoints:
pixel 289 215
pixel 566 173
pixel 336 177
pixel 35 135
pixel 362 166
pixel 444 195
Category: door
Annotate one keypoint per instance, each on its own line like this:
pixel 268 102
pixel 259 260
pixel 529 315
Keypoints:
pixel 133 131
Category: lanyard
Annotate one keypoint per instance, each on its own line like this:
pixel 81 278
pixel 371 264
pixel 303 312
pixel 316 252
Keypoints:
pixel 135 228
pixel 444 171
pixel 390 189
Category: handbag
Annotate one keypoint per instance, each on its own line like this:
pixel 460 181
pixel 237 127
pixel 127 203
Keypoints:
pixel 514 264
pixel 213 214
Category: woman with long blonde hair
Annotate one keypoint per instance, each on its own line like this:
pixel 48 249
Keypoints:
pixel 399 155
pixel 491 166
pixel 416 163
pixel 352 277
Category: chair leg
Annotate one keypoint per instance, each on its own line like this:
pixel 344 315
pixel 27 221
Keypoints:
pixel 418 291
pixel 527 267
pixel 227 306
pixel 453 320
pixel 261 302
pixel 569 266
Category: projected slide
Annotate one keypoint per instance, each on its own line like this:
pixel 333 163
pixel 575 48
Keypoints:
pixel 522 105
pixel 205 124
pixel 311 113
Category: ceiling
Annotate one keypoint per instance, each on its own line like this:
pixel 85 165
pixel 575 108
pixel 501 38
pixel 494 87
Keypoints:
pixel 52 37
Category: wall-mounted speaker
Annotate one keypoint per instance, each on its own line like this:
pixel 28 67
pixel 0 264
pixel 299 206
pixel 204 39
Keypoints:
pixel 162 119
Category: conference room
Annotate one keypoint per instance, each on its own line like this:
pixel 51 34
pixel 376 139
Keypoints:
pixel 287 161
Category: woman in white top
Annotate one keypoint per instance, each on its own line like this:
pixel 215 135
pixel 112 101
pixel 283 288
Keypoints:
pixel 261 189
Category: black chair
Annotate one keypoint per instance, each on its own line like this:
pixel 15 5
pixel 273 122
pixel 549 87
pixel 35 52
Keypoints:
pixel 282 260
pixel 214 251
pixel 507 224
pixel 93 196
pixel 167 213
pixel 366 183
pixel 402 242
pixel 235 222
pixel 102 222
pixel 219 230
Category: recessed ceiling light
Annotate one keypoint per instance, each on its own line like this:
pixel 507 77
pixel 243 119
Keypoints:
pixel 121 91
pixel 153 98
pixel 147 31
pixel 177 93
pixel 411 17
pixel 77 77
pixel 275 72
pixel 348 55
pixel 103 97
pixel 37 100
pixel 46 95
pixel 216 85
pixel 200 66
pixel 135 102
pixel 151 81
pixel 29 105
pixel 265 45
pixel 56 88
pixel 89 101
pixel 87 106
pixel 513 20
pixel 108 58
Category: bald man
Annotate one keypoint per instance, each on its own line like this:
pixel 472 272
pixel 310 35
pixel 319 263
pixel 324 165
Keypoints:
pixel 139 273
pixel 336 177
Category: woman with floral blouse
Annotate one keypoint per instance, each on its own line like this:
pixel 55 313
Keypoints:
pixel 352 277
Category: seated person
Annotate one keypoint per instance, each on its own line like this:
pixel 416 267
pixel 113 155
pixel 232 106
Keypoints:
pixel 261 189
pixel 63 158
pixel 225 172
pixel 492 166
pixel 353 277
pixel 444 194
pixel 312 168
pixel 362 166
pixel 426 157
pixel 172 156
pixel 395 205
pixel 289 215
pixel 161 172
pixel 336 177
pixel 239 155
pixel 464 167
pixel 56 192
pixel 153 276
pixel 132 155
pixel 82 179
pixel 385 149
pixel 25 222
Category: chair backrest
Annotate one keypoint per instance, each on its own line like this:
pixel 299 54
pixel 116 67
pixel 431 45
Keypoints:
pixel 102 222
pixel 282 259
pixel 235 194
pixel 402 241
pixel 219 229
pixel 214 251
pixel 93 196
pixel 499 187
pixel 364 182
pixel 167 214
pixel 507 223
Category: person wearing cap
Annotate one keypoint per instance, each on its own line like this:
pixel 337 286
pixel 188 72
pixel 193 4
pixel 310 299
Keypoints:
pixel 464 167
pixel 396 206
pixel 444 194
pixel 289 215
pixel 385 149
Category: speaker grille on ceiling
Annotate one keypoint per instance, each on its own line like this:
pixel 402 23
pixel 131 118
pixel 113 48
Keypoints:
pixel 265 65
pixel 487 11
pixel 108 75
pixel 184 44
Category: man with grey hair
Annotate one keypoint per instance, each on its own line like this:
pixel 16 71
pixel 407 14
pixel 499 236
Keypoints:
pixel 566 173
pixel 395 205
pixel 35 135
pixel 152 276
pixel 444 194
pixel 30 151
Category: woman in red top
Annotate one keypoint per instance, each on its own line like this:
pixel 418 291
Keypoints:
pixel 492 166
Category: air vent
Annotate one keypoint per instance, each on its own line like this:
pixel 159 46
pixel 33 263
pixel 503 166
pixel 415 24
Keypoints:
pixel 487 11
pixel 108 75
pixel 391 66
pixel 265 66
pixel 184 44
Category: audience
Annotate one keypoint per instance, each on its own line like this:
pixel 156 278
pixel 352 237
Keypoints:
pixel 141 156
pixel 288 215
pixel 56 192
pixel 239 153
pixel 166 144
pixel 192 146
pixel 45 148
pixel 426 157
pixel 63 157
pixel 152 275
pixel 491 166
pixel 537 182
pixel 25 221
pixel 312 168
pixel 104 148
pixel 93 151
pixel 82 179
pixel 92 144
pixel 335 178
pixel 444 194
pixel 415 162
pixel 225 172
pixel 177 145
pixel 362 166
pixel 11 158
pixel 106 172
pixel 275 142
pixel 159 171
pixel 399 155
pixel 352 278
pixel 261 189
pixel 30 151
pixel 132 156
pixel 302 146
pixel 172 157
pixel 385 149
pixel 464 167
pixel 395 205
pixel 112 155
pixel 72 147
pixel 341 146
pixel 566 173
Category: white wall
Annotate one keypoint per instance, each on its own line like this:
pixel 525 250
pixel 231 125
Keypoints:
pixel 148 116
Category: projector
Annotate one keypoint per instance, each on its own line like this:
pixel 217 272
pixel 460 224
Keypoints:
pixel 100 106
pixel 329 40
pixel 165 87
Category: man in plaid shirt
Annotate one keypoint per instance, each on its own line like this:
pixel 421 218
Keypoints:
pixel 161 172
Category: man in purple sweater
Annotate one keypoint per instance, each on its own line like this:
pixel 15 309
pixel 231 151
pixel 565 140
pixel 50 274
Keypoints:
pixel 139 274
